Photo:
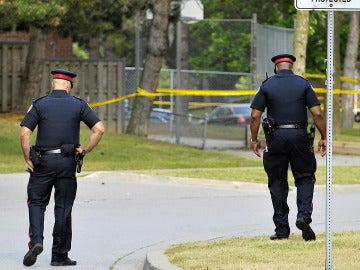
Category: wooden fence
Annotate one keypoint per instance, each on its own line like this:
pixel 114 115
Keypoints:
pixel 97 80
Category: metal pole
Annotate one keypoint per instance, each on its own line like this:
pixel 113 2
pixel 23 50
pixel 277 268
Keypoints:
pixel 205 131
pixel 137 46
pixel 329 98
pixel 171 126
pixel 178 80
pixel 253 50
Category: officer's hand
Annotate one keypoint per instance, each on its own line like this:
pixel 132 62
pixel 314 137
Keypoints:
pixel 322 147
pixel 29 162
pixel 256 147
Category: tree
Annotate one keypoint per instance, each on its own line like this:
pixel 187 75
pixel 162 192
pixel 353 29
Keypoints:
pixel 41 17
pixel 316 55
pixel 31 76
pixel 67 18
pixel 271 12
pixel 337 72
pixel 99 25
pixel 140 114
pixel 300 41
pixel 113 20
pixel 226 46
pixel 352 49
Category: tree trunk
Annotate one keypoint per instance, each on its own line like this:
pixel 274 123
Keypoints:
pixel 347 101
pixel 182 102
pixel 337 73
pixel 31 77
pixel 94 47
pixel 140 114
pixel 108 49
pixel 300 41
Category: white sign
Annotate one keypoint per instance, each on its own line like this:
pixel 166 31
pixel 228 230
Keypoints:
pixel 346 5
pixel 192 10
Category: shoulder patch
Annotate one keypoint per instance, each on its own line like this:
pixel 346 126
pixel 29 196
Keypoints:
pixel 30 108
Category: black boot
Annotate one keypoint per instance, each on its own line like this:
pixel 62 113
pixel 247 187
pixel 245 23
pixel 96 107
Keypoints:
pixel 31 256
pixel 278 237
pixel 307 233
pixel 65 262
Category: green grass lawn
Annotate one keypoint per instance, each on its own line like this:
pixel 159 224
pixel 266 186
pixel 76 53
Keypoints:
pixel 124 152
pixel 260 253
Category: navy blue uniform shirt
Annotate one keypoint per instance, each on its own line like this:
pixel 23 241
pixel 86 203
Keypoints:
pixel 286 97
pixel 58 118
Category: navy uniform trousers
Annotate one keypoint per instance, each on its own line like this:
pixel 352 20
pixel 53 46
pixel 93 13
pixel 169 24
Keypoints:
pixel 290 147
pixel 58 172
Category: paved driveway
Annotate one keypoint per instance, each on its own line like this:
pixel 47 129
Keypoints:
pixel 118 217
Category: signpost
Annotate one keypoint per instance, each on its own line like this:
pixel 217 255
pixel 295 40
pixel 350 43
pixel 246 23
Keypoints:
pixel 330 6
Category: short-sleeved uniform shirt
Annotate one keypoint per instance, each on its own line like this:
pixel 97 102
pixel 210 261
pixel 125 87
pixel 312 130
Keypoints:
pixel 58 118
pixel 286 97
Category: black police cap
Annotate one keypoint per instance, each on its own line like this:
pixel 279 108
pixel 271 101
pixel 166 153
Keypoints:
pixel 63 74
pixel 283 58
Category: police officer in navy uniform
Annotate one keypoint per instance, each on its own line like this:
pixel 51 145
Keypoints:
pixel 286 98
pixel 52 162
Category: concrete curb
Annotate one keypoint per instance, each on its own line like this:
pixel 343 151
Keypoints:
pixel 156 260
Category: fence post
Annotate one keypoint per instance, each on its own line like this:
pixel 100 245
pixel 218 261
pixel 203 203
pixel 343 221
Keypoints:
pixel 4 76
pixel 205 131
pixel 247 136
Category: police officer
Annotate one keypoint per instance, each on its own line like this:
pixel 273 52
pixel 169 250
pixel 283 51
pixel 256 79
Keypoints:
pixel 52 162
pixel 286 98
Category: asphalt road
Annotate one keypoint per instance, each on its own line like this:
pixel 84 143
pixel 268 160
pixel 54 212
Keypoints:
pixel 119 217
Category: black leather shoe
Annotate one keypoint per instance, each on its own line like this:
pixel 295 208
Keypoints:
pixel 307 233
pixel 65 262
pixel 31 256
pixel 278 237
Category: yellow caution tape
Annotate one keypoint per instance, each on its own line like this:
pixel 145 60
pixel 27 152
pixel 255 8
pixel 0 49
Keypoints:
pixel 351 80
pixel 113 100
pixel 337 91
pixel 343 79
pixel 188 92
pixel 191 92
pixel 315 76
pixel 144 93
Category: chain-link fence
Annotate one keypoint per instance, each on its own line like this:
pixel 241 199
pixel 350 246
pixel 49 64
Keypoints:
pixel 189 124
pixel 207 55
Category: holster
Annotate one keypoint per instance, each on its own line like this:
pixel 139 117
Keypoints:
pixel 311 137
pixel 268 127
pixel 79 158
pixel 68 150
pixel 35 156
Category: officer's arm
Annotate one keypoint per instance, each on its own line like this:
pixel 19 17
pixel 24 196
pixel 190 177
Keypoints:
pixel 320 123
pixel 97 132
pixel 254 128
pixel 25 135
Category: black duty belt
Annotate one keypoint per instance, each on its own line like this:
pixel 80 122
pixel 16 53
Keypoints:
pixel 51 152
pixel 296 126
